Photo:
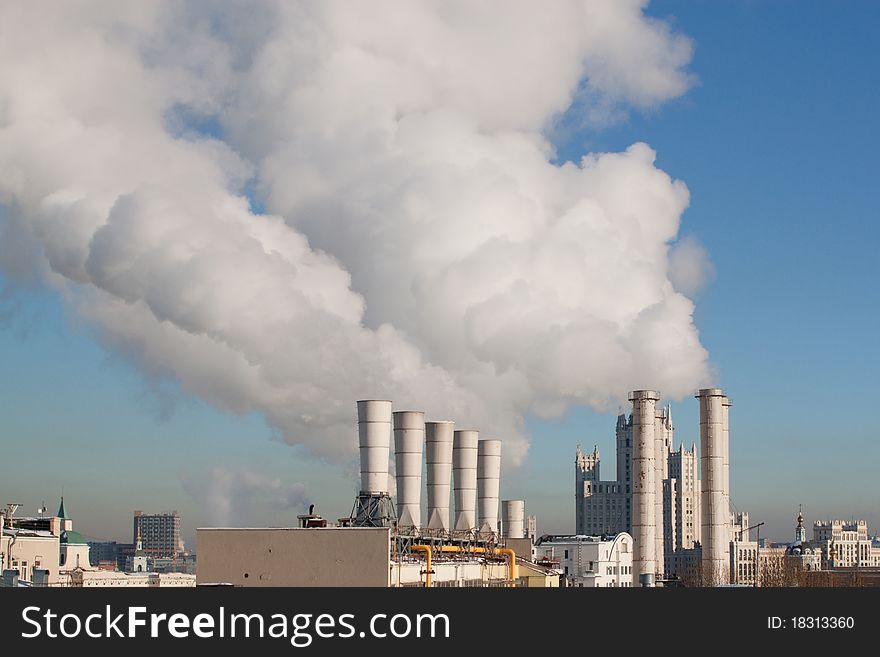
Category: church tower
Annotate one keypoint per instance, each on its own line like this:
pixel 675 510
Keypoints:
pixel 800 533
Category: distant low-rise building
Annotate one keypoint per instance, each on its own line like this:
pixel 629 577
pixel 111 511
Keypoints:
pixel 31 546
pixel 92 578
pixel 589 561
pixel 845 544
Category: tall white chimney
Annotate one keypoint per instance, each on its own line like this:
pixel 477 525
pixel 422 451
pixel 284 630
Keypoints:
pixel 488 484
pixel 643 486
pixel 513 514
pixel 464 470
pixel 438 445
pixel 714 505
pixel 374 438
pixel 409 437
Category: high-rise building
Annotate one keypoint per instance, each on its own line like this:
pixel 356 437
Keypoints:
pixel 602 506
pixel 606 506
pixel 159 533
pixel 681 505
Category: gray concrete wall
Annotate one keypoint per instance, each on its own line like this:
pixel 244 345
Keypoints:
pixel 293 556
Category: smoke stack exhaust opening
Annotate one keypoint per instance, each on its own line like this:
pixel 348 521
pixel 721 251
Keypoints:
pixel 513 513
pixel 644 529
pixel 464 470
pixel 409 439
pixel 488 484
pixel 439 438
pixel 374 439
pixel 714 496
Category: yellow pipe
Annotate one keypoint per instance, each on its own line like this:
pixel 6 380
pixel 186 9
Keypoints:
pixel 427 550
pixel 512 569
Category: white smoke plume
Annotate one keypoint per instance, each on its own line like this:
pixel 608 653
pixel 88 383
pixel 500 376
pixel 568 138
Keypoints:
pixel 415 240
pixel 230 497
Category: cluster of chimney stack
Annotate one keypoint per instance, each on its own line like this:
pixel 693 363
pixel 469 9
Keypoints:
pixel 472 465
pixel 650 433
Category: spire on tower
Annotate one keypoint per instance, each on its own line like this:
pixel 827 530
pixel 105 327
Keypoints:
pixel 61 512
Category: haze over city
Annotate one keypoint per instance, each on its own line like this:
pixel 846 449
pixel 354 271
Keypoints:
pixel 222 225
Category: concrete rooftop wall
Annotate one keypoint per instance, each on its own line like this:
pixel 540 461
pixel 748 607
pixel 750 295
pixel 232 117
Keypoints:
pixel 293 557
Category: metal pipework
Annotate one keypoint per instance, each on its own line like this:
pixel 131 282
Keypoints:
pixel 374 438
pixel 714 505
pixel 643 482
pixel 512 567
pixel 488 484
pixel 438 455
pixel 513 513
pixel 464 471
pixel 409 437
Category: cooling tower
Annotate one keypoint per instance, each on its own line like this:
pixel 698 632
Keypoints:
pixel 464 470
pixel 438 445
pixel 488 484
pixel 513 515
pixel 374 438
pixel 643 486
pixel 409 437
pixel 714 506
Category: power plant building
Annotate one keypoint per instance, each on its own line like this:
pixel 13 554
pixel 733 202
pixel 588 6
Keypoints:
pixel 479 541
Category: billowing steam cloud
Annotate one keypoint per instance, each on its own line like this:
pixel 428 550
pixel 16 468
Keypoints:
pixel 415 240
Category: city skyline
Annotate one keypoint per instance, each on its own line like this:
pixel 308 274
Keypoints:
pixel 774 133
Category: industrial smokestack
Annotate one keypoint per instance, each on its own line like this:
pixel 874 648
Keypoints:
pixel 488 484
pixel 409 437
pixel 374 438
pixel 464 470
pixel 714 505
pixel 643 485
pixel 438 445
pixel 513 515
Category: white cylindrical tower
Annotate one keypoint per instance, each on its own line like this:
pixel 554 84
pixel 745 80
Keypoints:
pixel 409 438
pixel 464 471
pixel 714 507
pixel 488 484
pixel 438 446
pixel 643 487
pixel 513 515
pixel 374 438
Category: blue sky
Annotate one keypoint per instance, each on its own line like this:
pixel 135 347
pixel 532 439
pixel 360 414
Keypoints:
pixel 777 142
